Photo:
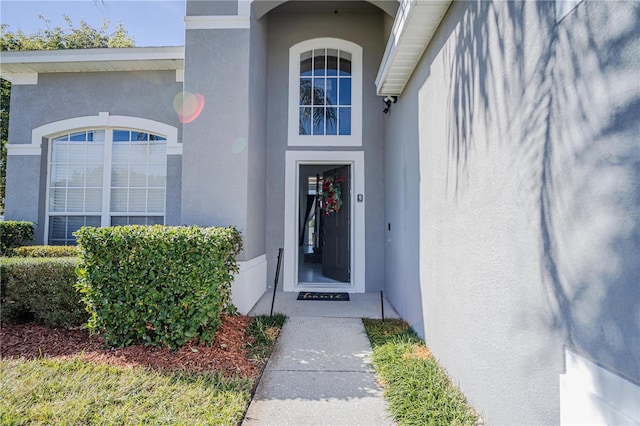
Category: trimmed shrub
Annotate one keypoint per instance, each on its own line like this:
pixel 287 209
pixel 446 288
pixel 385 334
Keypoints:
pixel 47 251
pixel 42 290
pixel 157 285
pixel 14 233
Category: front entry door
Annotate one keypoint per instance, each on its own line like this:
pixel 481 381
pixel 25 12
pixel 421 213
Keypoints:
pixel 336 244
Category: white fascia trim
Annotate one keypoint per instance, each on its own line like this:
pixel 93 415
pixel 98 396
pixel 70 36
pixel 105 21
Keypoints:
pixel 22 79
pixel 591 394
pixel 355 138
pixel 93 55
pixel 293 159
pixel 103 119
pixel 220 22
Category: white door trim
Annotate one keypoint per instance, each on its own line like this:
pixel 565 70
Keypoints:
pixel 293 160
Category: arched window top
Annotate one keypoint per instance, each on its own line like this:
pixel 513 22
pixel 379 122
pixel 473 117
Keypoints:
pixel 325 93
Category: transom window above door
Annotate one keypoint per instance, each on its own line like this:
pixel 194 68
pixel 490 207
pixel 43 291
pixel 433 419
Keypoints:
pixel 325 93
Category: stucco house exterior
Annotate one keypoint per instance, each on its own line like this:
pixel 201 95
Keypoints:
pixel 496 202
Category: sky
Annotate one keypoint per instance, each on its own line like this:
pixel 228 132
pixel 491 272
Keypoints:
pixel 148 22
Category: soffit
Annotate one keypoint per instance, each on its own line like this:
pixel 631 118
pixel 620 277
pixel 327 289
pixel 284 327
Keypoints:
pixel 414 26
pixel 91 60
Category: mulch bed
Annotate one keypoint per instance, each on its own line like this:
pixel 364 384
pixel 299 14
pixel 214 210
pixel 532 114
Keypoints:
pixel 228 354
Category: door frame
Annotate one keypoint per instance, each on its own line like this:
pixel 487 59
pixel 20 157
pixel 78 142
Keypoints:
pixel 293 161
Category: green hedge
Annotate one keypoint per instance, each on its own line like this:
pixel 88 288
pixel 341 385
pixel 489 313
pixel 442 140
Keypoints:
pixel 157 285
pixel 42 290
pixel 47 251
pixel 14 233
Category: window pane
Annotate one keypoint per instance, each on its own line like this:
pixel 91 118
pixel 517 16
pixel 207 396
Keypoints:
pixel 332 62
pixel 345 63
pixel 59 151
pixel 93 200
pixel 58 174
pixel 155 200
pixel 305 121
pixel 94 174
pixel 332 121
pixel 332 91
pixel 318 91
pixel 139 136
pixel 119 220
pixel 58 199
pixel 155 220
pixel 77 152
pixel 92 221
pixel 318 121
pixel 156 152
pixel 95 151
pixel 137 220
pixel 75 200
pixel 120 153
pixel 57 227
pixel 305 63
pixel 137 200
pixel 156 138
pixel 79 137
pixel 61 138
pixel 76 174
pixel 139 152
pixel 157 175
pixel 305 91
pixel 138 175
pixel 95 136
pixel 121 136
pixel 318 61
pixel 119 175
pixel 344 121
pixel 73 224
pixel 119 200
pixel 345 91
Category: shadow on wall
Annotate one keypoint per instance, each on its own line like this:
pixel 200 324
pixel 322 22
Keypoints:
pixel 573 120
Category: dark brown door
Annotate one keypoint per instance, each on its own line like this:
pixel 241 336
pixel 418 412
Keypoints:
pixel 336 250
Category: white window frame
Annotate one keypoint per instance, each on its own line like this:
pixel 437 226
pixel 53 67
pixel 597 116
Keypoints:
pixel 108 123
pixel 355 138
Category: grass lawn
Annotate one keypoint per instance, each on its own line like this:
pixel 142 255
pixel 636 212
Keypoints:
pixel 417 389
pixel 75 391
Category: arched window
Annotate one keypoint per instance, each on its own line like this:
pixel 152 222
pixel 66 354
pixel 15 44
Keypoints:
pixel 325 93
pixel 104 177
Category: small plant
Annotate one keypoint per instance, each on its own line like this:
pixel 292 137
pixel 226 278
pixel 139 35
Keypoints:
pixel 417 389
pixel 264 331
pixel 42 289
pixel 13 234
pixel 47 251
pixel 157 285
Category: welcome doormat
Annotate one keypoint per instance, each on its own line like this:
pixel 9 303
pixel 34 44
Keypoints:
pixel 312 295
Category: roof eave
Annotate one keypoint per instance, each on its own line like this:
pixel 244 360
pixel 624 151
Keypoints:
pixel 413 29
pixel 19 63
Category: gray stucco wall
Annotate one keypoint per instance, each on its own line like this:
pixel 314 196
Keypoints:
pixel 529 167
pixel 365 28
pixel 216 180
pixel 63 96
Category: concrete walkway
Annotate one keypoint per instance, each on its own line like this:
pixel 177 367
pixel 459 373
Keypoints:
pixel 320 372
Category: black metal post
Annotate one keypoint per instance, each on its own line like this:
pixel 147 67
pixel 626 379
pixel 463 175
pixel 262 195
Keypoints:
pixel 275 283
pixel 382 305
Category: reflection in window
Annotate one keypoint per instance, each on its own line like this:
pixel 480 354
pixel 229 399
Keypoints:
pixel 325 92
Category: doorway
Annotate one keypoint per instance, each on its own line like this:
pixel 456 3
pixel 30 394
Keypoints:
pixel 332 238
pixel 324 251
